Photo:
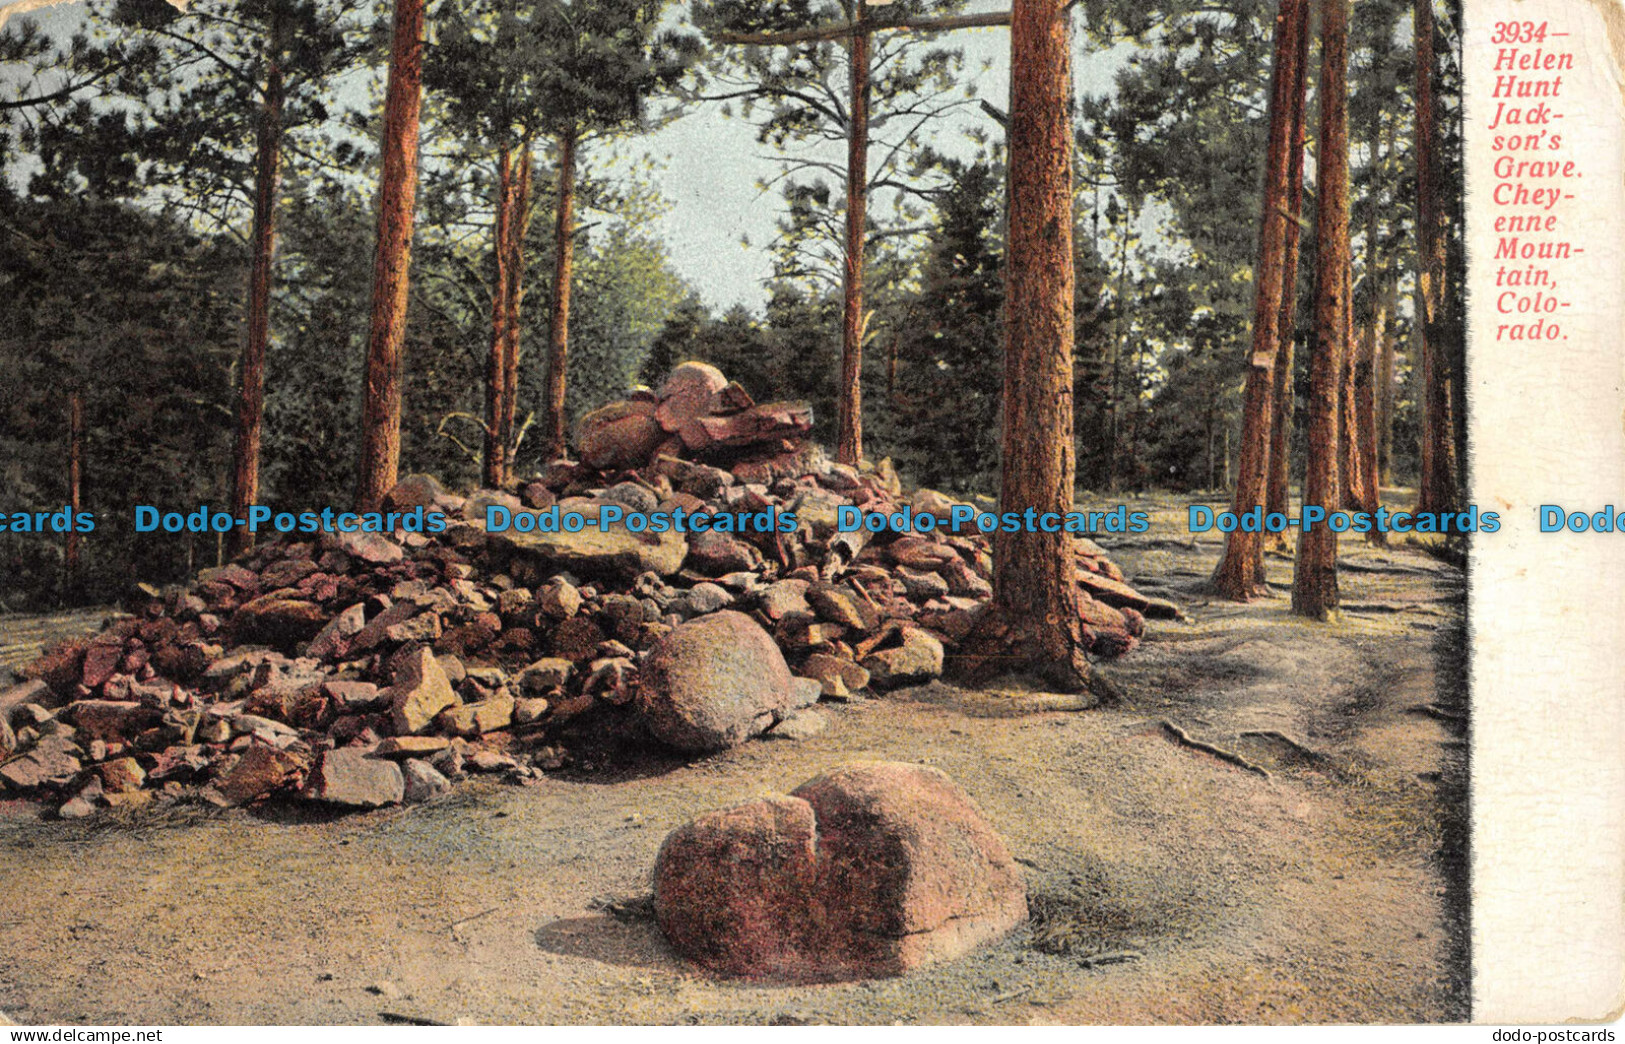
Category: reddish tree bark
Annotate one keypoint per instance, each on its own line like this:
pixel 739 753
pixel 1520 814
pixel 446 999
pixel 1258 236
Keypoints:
pixel 1278 498
pixel 559 326
pixel 1032 623
pixel 493 472
pixel 245 472
pixel 849 411
pixel 1366 492
pixel 1240 575
pixel 1348 465
pixel 1437 484
pixel 1314 587
pixel 392 260
pixel 1369 497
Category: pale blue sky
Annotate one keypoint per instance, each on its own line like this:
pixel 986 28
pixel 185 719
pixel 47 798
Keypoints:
pixel 708 166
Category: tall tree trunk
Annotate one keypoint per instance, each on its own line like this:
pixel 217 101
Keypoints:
pixel 492 472
pixel 1352 482
pixel 849 412
pixel 1437 484
pixel 1314 588
pixel 245 473
pixel 1367 493
pixel 518 228
pixel 1114 398
pixel 76 453
pixel 1365 408
pixel 1282 401
pixel 1386 372
pixel 1032 623
pixel 392 261
pixel 1240 574
pixel 563 264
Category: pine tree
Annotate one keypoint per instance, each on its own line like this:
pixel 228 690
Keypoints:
pixel 585 70
pixel 189 75
pixel 891 87
pixel 946 398
pixel 1314 586
pixel 397 205
pixel 1032 621
pixel 1437 486
pixel 1240 574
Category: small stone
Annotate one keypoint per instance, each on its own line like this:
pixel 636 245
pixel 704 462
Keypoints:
pixel 715 554
pixel 349 777
pixel 214 730
pixel 76 808
pixel 257 773
pixel 121 775
pixel 917 660
pixel 546 675
pixel 278 620
pixel 414 491
pixel 420 692
pixel 490 761
pixel 474 719
pixel 411 746
pixel 425 627
pixel 613 679
pixel 707 598
pixel 355 696
pixel 920 586
pixel 422 782
pixel 560 600
pixel 528 709
pixel 840 605
pixel 372 548
pixel 54 760
pixel 785 597
pixel 837 675
pixel 803 724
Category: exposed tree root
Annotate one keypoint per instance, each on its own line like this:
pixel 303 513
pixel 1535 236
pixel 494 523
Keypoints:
pixel 1184 739
pixel 1308 753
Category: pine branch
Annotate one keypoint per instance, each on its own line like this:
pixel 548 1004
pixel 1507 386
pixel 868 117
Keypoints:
pixel 848 29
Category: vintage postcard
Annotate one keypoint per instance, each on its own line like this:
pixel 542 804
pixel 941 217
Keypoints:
pixel 923 512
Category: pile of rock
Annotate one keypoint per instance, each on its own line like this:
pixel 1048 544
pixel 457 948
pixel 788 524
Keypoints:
pixel 363 669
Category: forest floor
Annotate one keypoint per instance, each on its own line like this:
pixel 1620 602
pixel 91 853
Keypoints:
pixel 1332 891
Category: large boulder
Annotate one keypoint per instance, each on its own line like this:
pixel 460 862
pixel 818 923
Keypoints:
pixel 716 681
pixel 620 435
pixel 872 870
pixel 759 424
pixel 691 391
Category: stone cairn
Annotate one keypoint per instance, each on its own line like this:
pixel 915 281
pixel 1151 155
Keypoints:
pixel 365 669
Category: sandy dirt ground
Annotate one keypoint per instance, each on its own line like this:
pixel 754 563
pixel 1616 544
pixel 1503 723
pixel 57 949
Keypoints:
pixel 1167 884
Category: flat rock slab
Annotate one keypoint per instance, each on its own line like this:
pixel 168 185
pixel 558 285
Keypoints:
pixel 870 871
pixel 591 551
